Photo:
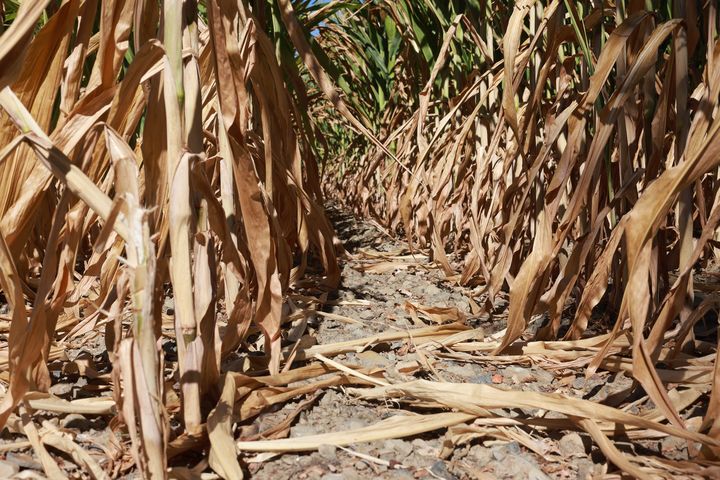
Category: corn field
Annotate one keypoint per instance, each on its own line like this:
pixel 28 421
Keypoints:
pixel 165 169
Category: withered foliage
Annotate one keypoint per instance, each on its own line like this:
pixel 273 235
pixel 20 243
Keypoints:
pixel 561 153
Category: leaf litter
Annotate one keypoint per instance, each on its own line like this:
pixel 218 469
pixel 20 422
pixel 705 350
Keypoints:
pixel 175 306
pixel 418 391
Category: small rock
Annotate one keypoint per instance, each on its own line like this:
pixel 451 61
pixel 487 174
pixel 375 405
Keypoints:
pixel 440 469
pixel 402 474
pixel 579 383
pixel 23 460
pixel 484 378
pixel 8 469
pixel 387 291
pixel 75 420
pixel 519 374
pixel 571 445
pixel 367 315
pixel 479 455
pixel 499 453
pixel 353 424
pixel 520 467
pixel 328 452
pixel 536 474
pixel 305 460
pixel 372 358
pixel 332 476
pixel 585 469
pixel 351 474
pixel 674 448
pixel 543 376
pixel 497 378
pixel 302 430
pixel 360 465
pixel 401 448
pixel 433 291
pixel 61 389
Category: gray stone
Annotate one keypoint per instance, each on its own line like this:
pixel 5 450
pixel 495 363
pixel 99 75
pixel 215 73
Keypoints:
pixel 23 460
pixel 61 389
pixel 328 452
pixel 351 474
pixel 333 476
pixel 440 469
pixel 519 374
pixel 401 448
pixel 543 376
pixel 571 445
pixel 674 448
pixel 519 466
pixel 585 469
pixel 289 459
pixel 75 420
pixel 402 474
pixel 484 378
pixel 479 455
pixel 432 291
pixel 302 430
pixel 499 453
pixel 367 315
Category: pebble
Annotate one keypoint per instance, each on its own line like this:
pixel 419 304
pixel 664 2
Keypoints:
pixel 480 455
pixel 333 476
pixel 23 460
pixel 586 469
pixel 367 315
pixel 61 389
pixel 402 474
pixel 499 453
pixel 372 358
pixel 433 291
pixel 519 374
pixel 543 376
pixel 350 474
pixel 401 448
pixel 674 447
pixel 289 459
pixel 302 430
pixel 440 469
pixel 520 467
pixel 386 291
pixel 75 420
pixel 485 378
pixel 328 452
pixel 571 445
pixel 353 424
pixel 360 465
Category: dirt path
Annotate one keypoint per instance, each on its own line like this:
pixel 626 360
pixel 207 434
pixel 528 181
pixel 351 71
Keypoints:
pixel 386 294
pixel 375 298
